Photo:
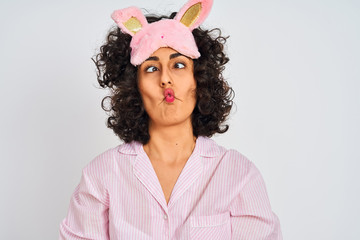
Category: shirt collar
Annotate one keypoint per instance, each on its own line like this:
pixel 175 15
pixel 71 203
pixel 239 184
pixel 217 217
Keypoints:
pixel 131 148
pixel 206 147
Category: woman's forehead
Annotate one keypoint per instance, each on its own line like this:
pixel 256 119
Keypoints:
pixel 164 51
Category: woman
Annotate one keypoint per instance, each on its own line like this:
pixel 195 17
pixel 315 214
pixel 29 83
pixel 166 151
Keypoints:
pixel 168 180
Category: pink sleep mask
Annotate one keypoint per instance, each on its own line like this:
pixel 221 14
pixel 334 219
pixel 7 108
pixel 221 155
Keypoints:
pixel 174 33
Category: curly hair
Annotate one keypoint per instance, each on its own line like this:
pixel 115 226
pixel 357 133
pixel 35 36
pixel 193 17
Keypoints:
pixel 127 115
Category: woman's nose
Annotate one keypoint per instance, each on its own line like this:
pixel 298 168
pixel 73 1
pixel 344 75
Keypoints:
pixel 165 79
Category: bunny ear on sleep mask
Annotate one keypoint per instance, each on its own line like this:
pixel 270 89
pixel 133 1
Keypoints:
pixel 174 33
pixel 130 20
pixel 194 13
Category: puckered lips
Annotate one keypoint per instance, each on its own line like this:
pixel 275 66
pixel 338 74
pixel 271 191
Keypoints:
pixel 169 95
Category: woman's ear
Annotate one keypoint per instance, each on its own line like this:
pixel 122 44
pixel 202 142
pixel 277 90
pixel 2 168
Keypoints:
pixel 130 20
pixel 194 12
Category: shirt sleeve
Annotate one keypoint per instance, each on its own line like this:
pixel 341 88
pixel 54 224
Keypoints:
pixel 251 214
pixel 87 216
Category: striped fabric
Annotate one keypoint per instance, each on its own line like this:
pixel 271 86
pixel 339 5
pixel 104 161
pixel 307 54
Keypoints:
pixel 219 195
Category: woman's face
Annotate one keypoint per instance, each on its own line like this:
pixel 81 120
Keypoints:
pixel 167 87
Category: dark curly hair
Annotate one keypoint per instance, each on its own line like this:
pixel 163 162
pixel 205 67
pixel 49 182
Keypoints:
pixel 127 116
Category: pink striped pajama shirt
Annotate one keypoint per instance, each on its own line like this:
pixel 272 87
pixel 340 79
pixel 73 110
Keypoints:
pixel 219 195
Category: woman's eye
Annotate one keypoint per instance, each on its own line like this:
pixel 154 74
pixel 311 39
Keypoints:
pixel 151 69
pixel 179 65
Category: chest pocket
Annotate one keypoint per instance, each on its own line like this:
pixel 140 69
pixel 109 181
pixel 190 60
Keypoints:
pixel 211 227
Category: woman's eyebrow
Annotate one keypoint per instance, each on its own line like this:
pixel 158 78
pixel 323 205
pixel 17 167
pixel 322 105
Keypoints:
pixel 153 58
pixel 174 55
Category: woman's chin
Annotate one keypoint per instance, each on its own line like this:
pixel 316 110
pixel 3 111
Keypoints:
pixel 171 121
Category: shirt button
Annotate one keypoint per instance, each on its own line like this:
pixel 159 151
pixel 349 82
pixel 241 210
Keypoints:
pixel 165 217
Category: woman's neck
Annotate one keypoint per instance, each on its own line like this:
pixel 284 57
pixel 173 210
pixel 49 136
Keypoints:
pixel 170 145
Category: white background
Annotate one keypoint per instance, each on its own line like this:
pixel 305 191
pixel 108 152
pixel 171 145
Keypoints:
pixel 295 70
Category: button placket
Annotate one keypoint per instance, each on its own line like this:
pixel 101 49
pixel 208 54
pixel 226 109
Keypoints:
pixel 167 226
